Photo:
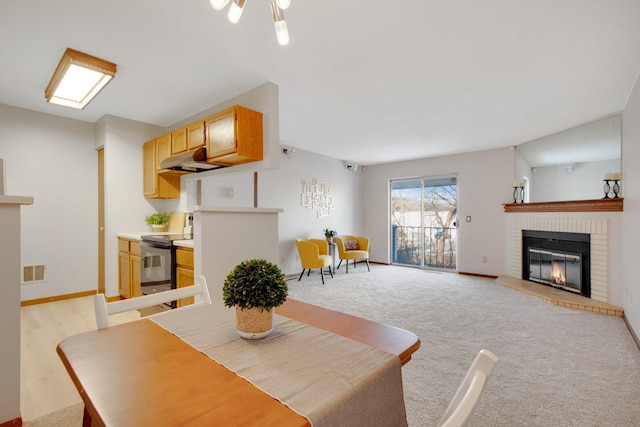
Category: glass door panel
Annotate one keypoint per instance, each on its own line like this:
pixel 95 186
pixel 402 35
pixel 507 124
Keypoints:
pixel 423 222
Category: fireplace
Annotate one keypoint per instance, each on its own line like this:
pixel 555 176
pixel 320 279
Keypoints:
pixel 557 259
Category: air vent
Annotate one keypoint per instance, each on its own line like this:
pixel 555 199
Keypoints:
pixel 33 273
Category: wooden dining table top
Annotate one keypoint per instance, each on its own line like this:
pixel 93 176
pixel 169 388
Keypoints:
pixel 138 373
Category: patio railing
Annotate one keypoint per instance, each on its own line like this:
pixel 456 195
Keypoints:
pixel 439 246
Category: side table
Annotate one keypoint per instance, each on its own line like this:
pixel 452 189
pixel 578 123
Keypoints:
pixel 332 252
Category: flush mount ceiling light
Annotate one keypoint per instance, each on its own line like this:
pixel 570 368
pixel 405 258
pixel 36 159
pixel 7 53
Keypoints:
pixel 78 78
pixel 277 7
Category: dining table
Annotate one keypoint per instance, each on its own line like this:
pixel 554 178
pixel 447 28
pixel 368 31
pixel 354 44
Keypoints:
pixel 319 367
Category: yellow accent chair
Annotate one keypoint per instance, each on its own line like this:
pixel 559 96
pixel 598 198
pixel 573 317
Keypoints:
pixel 353 247
pixel 314 253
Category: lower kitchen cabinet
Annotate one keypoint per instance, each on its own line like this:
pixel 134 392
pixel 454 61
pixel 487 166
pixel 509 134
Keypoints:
pixel 129 268
pixel 184 272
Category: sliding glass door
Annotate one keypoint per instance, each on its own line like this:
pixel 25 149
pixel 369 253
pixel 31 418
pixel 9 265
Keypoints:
pixel 423 222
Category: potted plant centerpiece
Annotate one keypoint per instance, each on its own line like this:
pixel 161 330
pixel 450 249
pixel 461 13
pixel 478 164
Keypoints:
pixel 254 287
pixel 329 234
pixel 158 221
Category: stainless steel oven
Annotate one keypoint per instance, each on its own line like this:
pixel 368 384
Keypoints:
pixel 157 264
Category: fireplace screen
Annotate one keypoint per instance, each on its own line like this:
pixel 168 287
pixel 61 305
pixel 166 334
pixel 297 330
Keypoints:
pixel 556 269
pixel 558 259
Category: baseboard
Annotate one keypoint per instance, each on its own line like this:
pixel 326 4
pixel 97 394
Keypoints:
pixel 56 298
pixel 633 333
pixel 488 276
pixel 16 422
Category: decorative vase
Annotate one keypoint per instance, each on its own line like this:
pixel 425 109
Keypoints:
pixel 254 323
pixel 328 239
pixel 158 228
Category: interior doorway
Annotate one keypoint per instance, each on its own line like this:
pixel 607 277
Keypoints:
pixel 424 222
pixel 101 221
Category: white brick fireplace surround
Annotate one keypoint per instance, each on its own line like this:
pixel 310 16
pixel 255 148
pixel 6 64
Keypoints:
pixel 605 229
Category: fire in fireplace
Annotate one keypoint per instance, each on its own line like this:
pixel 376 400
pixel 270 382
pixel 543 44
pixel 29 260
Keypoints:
pixel 557 259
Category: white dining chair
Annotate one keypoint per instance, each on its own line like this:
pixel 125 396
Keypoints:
pixel 104 309
pixel 464 401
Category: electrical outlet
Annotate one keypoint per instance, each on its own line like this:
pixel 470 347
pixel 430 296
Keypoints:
pixel 484 259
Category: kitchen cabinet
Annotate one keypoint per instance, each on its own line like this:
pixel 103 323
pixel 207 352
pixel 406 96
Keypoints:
pixel 234 136
pixel 188 138
pixel 179 141
pixel 195 135
pixel 158 186
pixel 129 268
pixel 184 272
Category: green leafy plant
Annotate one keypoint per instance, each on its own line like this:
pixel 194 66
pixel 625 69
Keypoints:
pixel 329 232
pixel 255 283
pixel 158 218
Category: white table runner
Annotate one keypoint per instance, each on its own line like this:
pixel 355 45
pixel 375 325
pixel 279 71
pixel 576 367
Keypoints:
pixel 329 379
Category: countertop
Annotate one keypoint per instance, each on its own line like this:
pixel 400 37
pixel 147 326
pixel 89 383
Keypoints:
pixel 187 243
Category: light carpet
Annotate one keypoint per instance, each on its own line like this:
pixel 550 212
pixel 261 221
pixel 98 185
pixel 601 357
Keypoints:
pixel 558 366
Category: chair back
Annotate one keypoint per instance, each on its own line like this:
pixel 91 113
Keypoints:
pixel 104 309
pixel 341 243
pixel 464 401
pixel 309 253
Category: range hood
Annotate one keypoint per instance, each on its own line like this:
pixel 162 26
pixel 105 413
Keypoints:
pixel 190 161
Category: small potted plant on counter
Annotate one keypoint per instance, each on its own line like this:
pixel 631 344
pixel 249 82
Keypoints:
pixel 329 234
pixel 254 287
pixel 158 221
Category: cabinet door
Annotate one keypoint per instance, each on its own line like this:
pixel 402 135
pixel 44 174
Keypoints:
pixel 195 135
pixel 220 134
pixel 163 149
pixel 159 186
pixel 134 278
pixel 124 274
pixel 184 278
pixel 184 257
pixel 179 141
pixel 149 169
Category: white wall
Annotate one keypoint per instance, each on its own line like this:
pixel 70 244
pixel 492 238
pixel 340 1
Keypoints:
pixel 125 205
pixel 281 188
pixel 54 160
pixel 553 183
pixel 631 215
pixel 9 312
pixel 484 184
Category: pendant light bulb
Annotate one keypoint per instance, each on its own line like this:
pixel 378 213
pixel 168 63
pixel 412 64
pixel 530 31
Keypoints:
pixel 218 4
pixel 235 11
pixel 282 34
pixel 283 4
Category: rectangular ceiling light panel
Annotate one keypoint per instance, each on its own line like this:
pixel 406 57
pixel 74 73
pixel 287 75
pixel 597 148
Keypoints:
pixel 78 78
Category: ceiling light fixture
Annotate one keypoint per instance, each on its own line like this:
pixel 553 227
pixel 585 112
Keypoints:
pixel 277 7
pixel 282 34
pixel 78 78
pixel 235 11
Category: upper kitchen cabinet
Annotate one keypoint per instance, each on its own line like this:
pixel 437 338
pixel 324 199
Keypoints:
pixel 158 186
pixel 187 138
pixel 179 141
pixel 234 136
pixel 195 135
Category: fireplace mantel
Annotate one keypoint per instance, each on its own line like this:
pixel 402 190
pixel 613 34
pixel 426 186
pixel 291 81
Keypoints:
pixel 598 205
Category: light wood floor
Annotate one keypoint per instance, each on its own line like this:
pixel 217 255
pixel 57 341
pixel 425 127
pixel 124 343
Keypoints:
pixel 45 386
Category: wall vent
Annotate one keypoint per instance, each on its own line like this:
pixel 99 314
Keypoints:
pixel 33 273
